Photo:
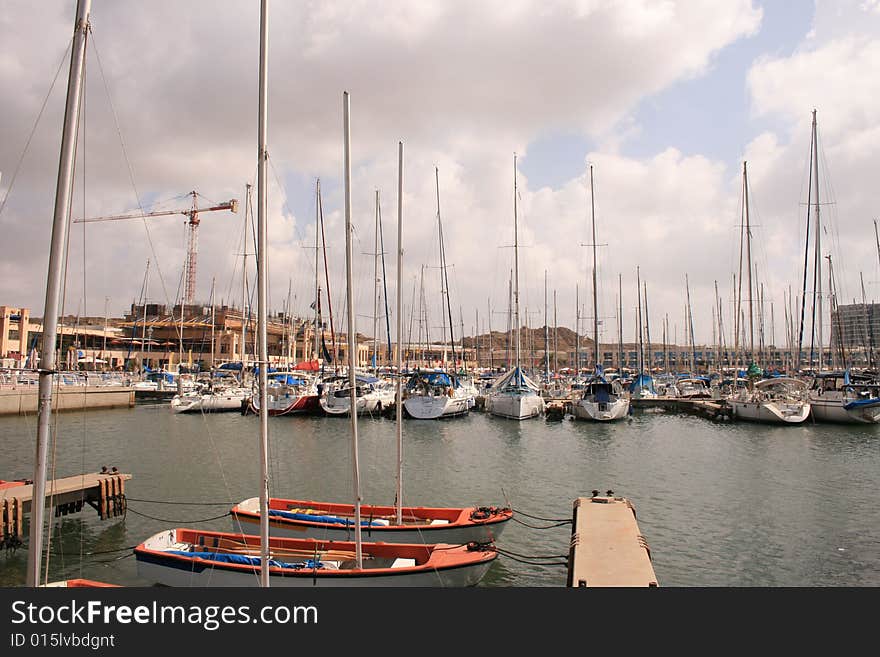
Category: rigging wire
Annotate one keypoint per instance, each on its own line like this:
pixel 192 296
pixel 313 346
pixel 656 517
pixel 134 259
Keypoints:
pixel 34 128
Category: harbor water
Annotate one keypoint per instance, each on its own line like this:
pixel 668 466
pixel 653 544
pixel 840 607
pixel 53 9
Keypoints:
pixel 720 504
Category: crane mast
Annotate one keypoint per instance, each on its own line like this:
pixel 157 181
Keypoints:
pixel 192 213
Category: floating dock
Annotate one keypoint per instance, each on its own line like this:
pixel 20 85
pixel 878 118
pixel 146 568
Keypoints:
pixel 607 548
pixel 23 400
pixel 715 409
pixel 103 491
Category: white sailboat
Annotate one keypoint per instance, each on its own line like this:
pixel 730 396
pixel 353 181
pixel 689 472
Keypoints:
pixel 515 396
pixel 777 400
pixel 601 400
pixel 438 393
pixel 203 558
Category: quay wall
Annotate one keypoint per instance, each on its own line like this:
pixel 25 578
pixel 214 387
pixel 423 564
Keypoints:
pixel 23 400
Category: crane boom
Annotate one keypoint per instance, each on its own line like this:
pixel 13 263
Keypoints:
pixel 192 241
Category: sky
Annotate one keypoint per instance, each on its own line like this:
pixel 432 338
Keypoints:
pixel 662 101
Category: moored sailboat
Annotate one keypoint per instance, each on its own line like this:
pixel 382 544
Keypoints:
pixel 515 396
pixel 600 400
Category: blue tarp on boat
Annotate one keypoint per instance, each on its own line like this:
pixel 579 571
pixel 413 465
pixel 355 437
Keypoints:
pixel 245 560
pixel 333 520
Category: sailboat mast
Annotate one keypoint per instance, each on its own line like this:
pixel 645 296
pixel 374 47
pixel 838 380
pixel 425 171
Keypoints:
pixel 244 314
pixel 546 334
pixel 376 289
pixel 595 303
pixel 639 316
pixel 316 346
pixel 749 265
pixel 327 276
pixel 620 324
pixel 650 355
pixel 399 402
pixel 818 234
pixel 60 223
pixel 577 323
pixel 515 267
pixel 352 335
pixel 262 273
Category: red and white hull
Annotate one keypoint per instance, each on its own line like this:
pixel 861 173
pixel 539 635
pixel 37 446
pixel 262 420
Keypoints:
pixel 185 557
pixel 331 521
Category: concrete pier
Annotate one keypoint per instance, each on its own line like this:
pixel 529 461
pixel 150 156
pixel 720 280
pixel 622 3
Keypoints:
pixel 607 548
pixel 23 400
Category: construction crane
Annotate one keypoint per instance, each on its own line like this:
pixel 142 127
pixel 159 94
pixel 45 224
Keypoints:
pixel 192 238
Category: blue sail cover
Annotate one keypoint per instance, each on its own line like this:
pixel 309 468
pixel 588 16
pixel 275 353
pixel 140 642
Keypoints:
pixel 333 520
pixel 246 560
pixel 433 378
pixel 642 381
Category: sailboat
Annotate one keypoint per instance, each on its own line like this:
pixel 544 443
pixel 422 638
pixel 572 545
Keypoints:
pixel 514 395
pixel 438 393
pixel 781 400
pixel 601 400
pixel 206 558
pixel 839 396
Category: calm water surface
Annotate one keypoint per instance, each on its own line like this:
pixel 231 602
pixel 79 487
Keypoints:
pixel 719 504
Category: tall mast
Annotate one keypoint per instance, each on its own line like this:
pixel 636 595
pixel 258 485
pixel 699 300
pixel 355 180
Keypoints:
pixel 489 327
pixel 620 324
pixel 818 233
pixel 385 288
pixel 689 329
pixel 376 289
pixel 555 336
pixel 595 303
pixel 515 265
pixel 316 347
pixel 262 273
pixel 546 334
pixel 244 314
pixel 327 276
pixel 577 335
pixel 352 334
pixel 749 265
pixel 60 223
pixel 650 355
pixel 641 364
pixel 399 402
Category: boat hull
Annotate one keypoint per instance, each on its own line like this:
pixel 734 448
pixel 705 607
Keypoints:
pixel 836 409
pixel 433 407
pixel 770 411
pixel 163 559
pixel 515 406
pixel 585 409
pixel 213 403
pixel 424 525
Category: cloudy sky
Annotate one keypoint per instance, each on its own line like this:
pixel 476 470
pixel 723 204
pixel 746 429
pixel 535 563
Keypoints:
pixel 664 100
